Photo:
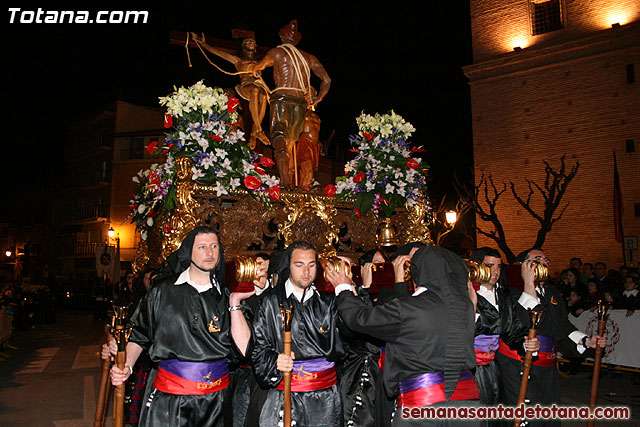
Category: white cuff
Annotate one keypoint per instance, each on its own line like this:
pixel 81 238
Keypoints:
pixel 576 337
pixel 343 287
pixel 528 301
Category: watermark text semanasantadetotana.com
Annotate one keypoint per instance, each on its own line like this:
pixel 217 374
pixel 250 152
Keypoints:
pixel 40 16
pixel 521 412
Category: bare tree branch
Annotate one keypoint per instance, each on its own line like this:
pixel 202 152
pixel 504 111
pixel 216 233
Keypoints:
pixel 483 198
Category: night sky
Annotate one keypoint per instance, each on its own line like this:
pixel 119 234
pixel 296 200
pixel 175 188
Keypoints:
pixel 405 59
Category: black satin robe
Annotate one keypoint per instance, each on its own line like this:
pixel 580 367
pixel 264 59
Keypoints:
pixel 505 323
pixel 315 334
pixel 173 322
pixel 359 374
pixel 544 385
pixel 365 401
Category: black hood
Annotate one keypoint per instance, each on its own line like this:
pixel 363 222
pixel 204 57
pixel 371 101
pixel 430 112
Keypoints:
pixel 445 273
pixel 406 249
pixel 180 260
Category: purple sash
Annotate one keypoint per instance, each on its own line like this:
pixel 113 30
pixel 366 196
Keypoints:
pixel 429 379
pixel 486 343
pixel 311 365
pixel 547 344
pixel 195 371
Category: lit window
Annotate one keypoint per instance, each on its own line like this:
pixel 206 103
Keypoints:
pixel 546 15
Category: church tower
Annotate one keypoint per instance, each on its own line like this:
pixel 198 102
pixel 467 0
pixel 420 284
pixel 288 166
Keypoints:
pixel 553 78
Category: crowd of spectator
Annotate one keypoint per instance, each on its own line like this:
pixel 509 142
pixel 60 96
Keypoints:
pixel 583 285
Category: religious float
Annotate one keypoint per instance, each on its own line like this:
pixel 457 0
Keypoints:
pixel 212 175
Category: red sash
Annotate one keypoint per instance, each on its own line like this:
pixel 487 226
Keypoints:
pixel 544 358
pixel 191 378
pixel 484 358
pixel 311 381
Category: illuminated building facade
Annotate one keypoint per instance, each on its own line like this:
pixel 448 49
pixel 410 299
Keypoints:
pixel 553 78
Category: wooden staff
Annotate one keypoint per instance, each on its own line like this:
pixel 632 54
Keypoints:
pixel 98 419
pixel 602 323
pixel 121 334
pixel 535 317
pixel 287 316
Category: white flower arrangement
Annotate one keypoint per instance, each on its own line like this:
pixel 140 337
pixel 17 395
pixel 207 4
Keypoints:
pixel 385 174
pixel 203 124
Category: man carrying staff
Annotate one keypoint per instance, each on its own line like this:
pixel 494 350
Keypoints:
pixel 292 96
pixel 316 344
pixel 495 319
pixel 544 386
pixel 428 335
pixel 186 322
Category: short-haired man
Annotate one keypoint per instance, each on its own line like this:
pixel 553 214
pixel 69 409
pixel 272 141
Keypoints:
pixel 495 321
pixel 554 327
pixel 185 322
pixel 316 344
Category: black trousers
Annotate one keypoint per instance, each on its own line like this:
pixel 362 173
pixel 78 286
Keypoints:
pixel 543 387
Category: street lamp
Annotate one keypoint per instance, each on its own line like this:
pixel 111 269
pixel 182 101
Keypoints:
pixel 111 232
pixel 451 217
pixel 7 253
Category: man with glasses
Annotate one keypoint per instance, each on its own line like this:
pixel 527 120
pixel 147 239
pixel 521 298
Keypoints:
pixel 554 327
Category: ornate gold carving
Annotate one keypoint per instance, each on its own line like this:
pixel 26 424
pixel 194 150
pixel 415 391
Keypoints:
pixel 417 230
pixel 248 226
pixel 142 257
pixel 300 224
pixel 185 217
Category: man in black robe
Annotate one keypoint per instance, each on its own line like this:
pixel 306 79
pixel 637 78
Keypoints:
pixel 428 335
pixel 316 344
pixel 186 322
pixel 543 387
pixel 365 402
pixel 495 321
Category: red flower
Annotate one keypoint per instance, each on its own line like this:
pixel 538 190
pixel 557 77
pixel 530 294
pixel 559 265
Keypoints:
pixel 151 148
pixel 274 192
pixel 152 213
pixel 359 177
pixel 166 227
pixel 330 190
pixel 251 182
pixel 258 168
pixel 412 164
pixel 418 150
pixel 369 136
pixel 384 200
pixel 266 162
pixel 216 137
pixel 133 207
pixel 168 120
pixel 232 104
pixel 357 212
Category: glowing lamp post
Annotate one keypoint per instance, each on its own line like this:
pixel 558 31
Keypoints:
pixel 451 217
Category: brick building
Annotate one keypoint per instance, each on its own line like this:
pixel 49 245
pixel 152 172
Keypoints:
pixel 104 152
pixel 553 78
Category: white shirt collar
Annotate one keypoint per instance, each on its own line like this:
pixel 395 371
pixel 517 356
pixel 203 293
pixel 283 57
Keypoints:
pixel 185 277
pixel 630 293
pixel 488 294
pixel 289 289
